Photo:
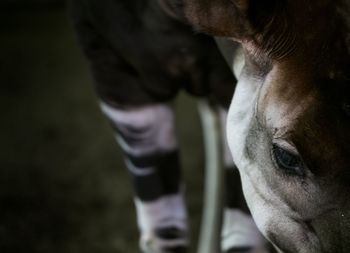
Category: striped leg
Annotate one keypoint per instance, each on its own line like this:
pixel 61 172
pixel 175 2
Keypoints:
pixel 147 137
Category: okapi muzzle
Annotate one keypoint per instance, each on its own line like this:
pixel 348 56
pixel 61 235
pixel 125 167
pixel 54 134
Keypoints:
pixel 289 121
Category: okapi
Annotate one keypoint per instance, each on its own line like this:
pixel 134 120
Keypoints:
pixel 141 54
pixel 289 121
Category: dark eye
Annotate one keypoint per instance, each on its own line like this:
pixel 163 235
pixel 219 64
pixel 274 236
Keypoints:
pixel 288 162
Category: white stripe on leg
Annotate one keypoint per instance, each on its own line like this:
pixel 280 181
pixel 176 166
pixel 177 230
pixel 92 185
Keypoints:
pixel 156 120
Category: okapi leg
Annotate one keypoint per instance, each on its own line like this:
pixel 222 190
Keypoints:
pixel 239 232
pixel 147 137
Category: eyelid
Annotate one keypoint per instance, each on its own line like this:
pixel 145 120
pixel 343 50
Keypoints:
pixel 287 146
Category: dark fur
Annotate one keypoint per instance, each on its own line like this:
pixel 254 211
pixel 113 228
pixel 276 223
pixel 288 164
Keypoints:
pixel 139 54
pixel 297 50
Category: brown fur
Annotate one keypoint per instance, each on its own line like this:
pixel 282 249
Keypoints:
pixel 299 52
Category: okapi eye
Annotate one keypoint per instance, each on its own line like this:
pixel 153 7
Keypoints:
pixel 288 162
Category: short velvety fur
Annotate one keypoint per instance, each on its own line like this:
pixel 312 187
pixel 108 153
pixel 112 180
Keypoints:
pixel 294 90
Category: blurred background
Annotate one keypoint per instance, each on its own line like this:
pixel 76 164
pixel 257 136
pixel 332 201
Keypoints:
pixel 63 185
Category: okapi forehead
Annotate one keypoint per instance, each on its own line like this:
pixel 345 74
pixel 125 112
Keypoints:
pixel 314 118
pixel 312 29
pixel 321 135
pixel 276 28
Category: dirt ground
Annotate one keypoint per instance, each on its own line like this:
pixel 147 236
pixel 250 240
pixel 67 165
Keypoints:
pixel 63 186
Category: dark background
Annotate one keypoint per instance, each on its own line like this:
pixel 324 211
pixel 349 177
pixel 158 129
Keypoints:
pixel 63 186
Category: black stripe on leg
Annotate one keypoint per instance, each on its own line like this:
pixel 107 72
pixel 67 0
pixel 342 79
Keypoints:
pixel 164 181
pixel 170 233
pixel 147 188
pixel 170 172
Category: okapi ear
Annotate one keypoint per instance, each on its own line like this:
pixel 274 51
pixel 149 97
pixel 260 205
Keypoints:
pixel 230 18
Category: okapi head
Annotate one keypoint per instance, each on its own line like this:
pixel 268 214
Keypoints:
pixel 289 122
